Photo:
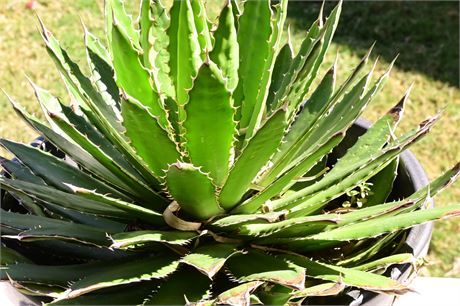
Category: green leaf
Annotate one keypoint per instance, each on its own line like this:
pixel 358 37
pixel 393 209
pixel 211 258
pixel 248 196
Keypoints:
pixel 359 160
pixel 333 120
pixel 193 190
pixel 131 239
pixel 226 49
pixel 52 107
pixel 132 271
pixel 124 295
pixel 372 142
pixel 145 24
pixel 235 220
pixel 301 128
pixel 132 77
pixel 155 45
pixel 84 218
pixel 277 24
pixel 76 129
pixel 140 212
pixel 309 46
pixel 261 229
pixel 57 249
pixel 239 294
pixel 55 171
pixel 209 126
pixel 58 275
pixel 280 69
pixel 363 255
pixel 20 172
pixel 102 71
pixel 89 99
pixel 259 266
pixel 323 121
pixel 127 178
pixel 378 226
pixel 31 227
pixel 183 286
pixel 254 29
pixel 324 289
pixel 254 156
pixel 386 261
pixel 150 141
pixel 202 28
pixel 209 259
pixel 329 30
pixel 91 103
pixel 289 178
pixel 437 185
pixel 76 152
pixel 37 289
pixel 356 176
pixel 84 200
pixel 184 51
pixel 10 256
pixel 349 277
pixel 382 184
pixel 116 12
pixel 278 295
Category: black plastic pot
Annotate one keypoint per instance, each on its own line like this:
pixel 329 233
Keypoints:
pixel 411 177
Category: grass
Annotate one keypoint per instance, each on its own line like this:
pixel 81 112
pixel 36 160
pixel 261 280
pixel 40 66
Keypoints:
pixel 426 35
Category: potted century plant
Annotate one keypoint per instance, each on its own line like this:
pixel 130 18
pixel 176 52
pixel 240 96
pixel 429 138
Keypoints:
pixel 198 164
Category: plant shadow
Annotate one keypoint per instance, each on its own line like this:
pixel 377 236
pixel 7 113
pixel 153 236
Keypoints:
pixel 425 34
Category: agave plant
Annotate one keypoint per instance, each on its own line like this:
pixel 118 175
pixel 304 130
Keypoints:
pixel 194 165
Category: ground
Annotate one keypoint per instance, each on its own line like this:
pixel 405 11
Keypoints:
pixel 425 34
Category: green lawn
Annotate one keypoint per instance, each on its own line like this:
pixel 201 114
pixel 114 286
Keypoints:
pixel 425 34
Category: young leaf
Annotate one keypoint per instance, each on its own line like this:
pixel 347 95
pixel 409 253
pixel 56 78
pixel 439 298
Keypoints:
pixel 259 111
pixel 132 78
pixel 209 126
pixel 184 51
pixel 253 33
pixel 193 190
pixel 254 156
pixel 226 49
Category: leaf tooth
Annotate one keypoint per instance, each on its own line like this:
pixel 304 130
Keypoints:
pixel 397 111
pixel 44 31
